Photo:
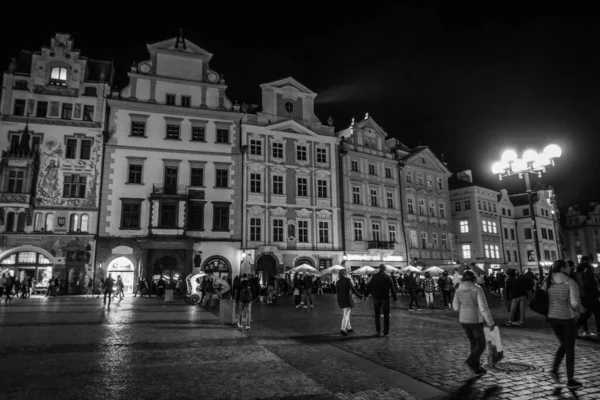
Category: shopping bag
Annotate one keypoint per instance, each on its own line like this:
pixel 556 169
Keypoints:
pixel 495 353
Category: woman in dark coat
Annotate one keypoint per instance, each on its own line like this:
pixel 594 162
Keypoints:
pixel 345 300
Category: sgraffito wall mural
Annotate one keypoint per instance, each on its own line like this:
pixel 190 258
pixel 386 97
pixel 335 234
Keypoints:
pixel 81 175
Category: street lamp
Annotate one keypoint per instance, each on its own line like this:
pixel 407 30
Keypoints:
pixel 530 162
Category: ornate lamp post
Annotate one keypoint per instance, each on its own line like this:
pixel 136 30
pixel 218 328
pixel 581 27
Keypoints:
pixel 530 162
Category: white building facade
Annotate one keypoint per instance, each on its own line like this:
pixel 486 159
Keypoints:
pixel 582 233
pixel 51 135
pixel 170 202
pixel 291 213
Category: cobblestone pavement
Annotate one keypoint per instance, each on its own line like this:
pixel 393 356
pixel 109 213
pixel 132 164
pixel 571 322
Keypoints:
pixel 73 348
pixel 430 346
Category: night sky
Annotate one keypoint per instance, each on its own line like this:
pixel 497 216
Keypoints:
pixel 466 82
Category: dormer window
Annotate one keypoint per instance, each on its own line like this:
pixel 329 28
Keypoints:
pixel 289 106
pixel 58 76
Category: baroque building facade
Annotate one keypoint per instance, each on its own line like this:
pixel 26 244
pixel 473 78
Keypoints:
pixel 291 213
pixel 372 210
pixel 582 233
pixel 51 134
pixel 423 184
pixel 170 203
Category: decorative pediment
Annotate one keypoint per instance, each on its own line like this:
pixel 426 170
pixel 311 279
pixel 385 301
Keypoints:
pixel 302 171
pixel 324 214
pixel 303 213
pixel 255 136
pixel 278 169
pixel 370 127
pixel 423 158
pixel 278 212
pixel 288 85
pixel 323 174
pixel 256 168
pixel 291 126
pixel 256 211
pixel 179 44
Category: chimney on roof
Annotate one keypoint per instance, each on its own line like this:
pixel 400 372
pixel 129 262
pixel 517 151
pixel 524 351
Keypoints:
pixel 465 175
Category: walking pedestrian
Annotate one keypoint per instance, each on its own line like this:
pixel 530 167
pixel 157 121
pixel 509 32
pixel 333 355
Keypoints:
pixel 470 302
pixel 445 284
pixel 89 287
pixel 412 286
pixel 589 292
pixel 108 288
pixel 380 286
pixel 429 287
pixel 244 299
pixel 345 300
pixel 563 309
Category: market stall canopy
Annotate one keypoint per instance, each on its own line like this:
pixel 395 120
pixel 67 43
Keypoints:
pixel 434 271
pixel 332 270
pixel 364 270
pixel 392 270
pixel 410 268
pixel 305 268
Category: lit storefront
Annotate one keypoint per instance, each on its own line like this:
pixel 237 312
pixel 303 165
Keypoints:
pixel 356 261
pixel 123 267
pixel 28 263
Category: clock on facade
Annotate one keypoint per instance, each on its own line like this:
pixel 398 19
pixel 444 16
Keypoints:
pixel 212 77
pixel 145 68
pixel 289 106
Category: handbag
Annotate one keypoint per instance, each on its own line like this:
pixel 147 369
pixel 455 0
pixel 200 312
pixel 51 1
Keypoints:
pixel 541 302
pixel 495 352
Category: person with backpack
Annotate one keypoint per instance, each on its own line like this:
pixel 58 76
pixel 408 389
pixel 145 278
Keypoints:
pixel 563 308
pixel 589 292
pixel 244 299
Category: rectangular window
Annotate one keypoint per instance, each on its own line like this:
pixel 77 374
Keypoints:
pixel 485 226
pixel 135 173
pixel 375 228
pixel 173 132
pixel 131 214
pixel 372 169
pixel 198 134
pixel 494 227
pixel 509 212
pixel 429 181
pixel 392 233
pixel 255 229
pixel 442 211
pixel 388 173
pixel 303 231
pixel 373 198
pixel 301 153
pixel 277 184
pixel 411 205
pixel 531 256
pixel 421 207
pixel 322 189
pixel 67 111
pixel 74 186
pixel 496 251
pixel 255 183
pixel 528 233
pixel 423 240
pixel 355 195
pixel 413 240
pixel 71 152
pixel 88 113
pixel 19 108
pixel 508 255
pixel 550 234
pixel 506 233
pixel 434 240
pixel 503 211
pixel 255 147
pixel 168 214
pixel 512 234
pixel 195 214
pixel 515 256
pixel 487 251
pixel 479 205
pixel 323 232
pixel 186 101
pixel 554 256
pixel 525 211
pixel 440 183
pixel 222 178
pixel 14 142
pixel 15 181
pixel 444 241
pixel 408 177
pixel 222 135
pixel 390 199
pixel 432 209
pixel 138 128
pixel 466 251
pixel 197 177
pixel 547 255
pixel 86 149
pixel 321 155
pixel 220 217
pixel 170 99
pixel 358 231
pixel 354 165
pixel 544 234
pixel 171 179
pixel 464 226
pixel 457 206
pixel 277 230
pixel 42 109
pixel 302 187
pixel 277 150
pixel 36 143
pixel 419 178
pixel 467 204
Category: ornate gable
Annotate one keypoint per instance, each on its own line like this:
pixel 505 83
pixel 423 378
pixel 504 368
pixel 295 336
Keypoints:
pixel 288 82
pixel 424 158
pixel 291 126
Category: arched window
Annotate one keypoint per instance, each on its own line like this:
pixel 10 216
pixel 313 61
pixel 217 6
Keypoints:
pixel 58 76
pixel 84 223
pixel 73 223
pixel 38 222
pixel 49 222
pixel 218 265
pixel 9 226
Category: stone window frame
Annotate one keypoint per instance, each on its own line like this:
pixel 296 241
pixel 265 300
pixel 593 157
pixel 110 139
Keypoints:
pixel 278 172
pixel 308 220
pixel 283 228
pixel 216 204
pixel 172 121
pixel 138 118
pixel 306 145
pixel 376 222
pixel 360 198
pixel 432 209
pixel 323 175
pixel 329 222
pixel 408 205
pixel 79 137
pixel 430 180
pixel 440 183
pixel 376 190
pixel 360 221
pixel 374 165
pixel 434 244
pixel 198 123
pixel 221 125
pixel 278 140
pixel 423 203
pixel 465 250
pixel 387 199
pixel 220 166
pixel 258 213
pixel 304 173
pixel 58 64
pixel 325 147
pixel 168 96
pixel 414 239
pixel 259 143
pixel 408 177
pixel 420 178
pixel 132 201
pixel 357 165
pixel 256 168
pixel 133 160
pixel 198 165
pixel 391 172
pixel 389 230
pixel 14 105
pixel 423 235
pixel 442 210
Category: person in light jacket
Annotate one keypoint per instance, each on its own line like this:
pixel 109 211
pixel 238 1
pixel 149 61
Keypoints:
pixel 563 309
pixel 345 300
pixel 473 309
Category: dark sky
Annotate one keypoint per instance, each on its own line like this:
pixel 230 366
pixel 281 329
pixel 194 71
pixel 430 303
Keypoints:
pixel 468 82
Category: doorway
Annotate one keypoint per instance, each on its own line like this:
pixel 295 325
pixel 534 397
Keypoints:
pixel 266 266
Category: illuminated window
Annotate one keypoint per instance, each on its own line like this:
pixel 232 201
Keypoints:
pixel 464 226
pixel 358 231
pixel 466 251
pixel 58 76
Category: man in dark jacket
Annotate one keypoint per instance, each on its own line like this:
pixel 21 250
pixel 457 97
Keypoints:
pixel 345 300
pixel 519 288
pixel 380 287
pixel 108 288
pixel 588 292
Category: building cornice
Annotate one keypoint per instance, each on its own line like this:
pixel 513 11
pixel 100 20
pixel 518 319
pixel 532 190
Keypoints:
pixel 156 108
pixel 163 78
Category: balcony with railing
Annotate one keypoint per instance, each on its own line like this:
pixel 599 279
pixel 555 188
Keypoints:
pixel 380 245
pixel 15 199
pixel 171 191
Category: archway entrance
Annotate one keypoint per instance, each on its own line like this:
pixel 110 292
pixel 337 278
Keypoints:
pixel 266 266
pixel 28 264
pixel 304 260
pixel 219 266
pixel 169 269
pixel 123 267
